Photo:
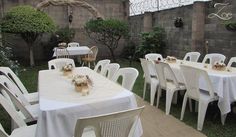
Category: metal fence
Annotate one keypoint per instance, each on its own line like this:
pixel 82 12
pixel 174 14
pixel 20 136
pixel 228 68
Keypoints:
pixel 142 6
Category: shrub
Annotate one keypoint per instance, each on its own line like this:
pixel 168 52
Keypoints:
pixel 107 32
pixel 5 55
pixel 152 42
pixel 65 34
pixel 29 23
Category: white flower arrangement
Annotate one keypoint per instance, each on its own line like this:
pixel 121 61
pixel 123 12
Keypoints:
pixel 171 59
pixel 63 44
pixel 219 66
pixel 67 67
pixel 82 83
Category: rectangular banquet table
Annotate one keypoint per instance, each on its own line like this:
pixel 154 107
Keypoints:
pixel 61 105
pixel 74 51
pixel 224 82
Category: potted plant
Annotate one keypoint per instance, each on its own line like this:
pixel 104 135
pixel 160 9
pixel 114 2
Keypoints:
pixel 230 26
pixel 178 22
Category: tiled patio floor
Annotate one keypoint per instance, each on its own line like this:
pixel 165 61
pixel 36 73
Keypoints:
pixel 156 124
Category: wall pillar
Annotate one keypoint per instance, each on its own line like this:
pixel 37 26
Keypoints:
pixel 147 22
pixel 198 27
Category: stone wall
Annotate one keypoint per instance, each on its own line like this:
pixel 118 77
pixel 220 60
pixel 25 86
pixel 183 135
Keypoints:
pixel 118 9
pixel 197 29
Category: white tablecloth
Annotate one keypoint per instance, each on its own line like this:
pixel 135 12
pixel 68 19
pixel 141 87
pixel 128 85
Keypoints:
pixel 73 51
pixel 224 83
pixel 61 105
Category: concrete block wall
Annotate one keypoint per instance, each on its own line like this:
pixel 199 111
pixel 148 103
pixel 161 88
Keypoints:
pixel 197 29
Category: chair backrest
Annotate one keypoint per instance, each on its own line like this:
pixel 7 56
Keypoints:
pixel 164 69
pixel 118 124
pixel 146 66
pixel 9 91
pixel 110 70
pixel 153 56
pixel 61 52
pixel 73 44
pixel 13 77
pixel 2 132
pixel 99 68
pixel 214 57
pixel 192 76
pixel 59 63
pixel 192 56
pixel 129 76
pixel 94 52
pixel 10 109
pixel 231 61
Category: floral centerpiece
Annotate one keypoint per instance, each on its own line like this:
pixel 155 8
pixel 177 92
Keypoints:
pixel 82 83
pixel 67 69
pixel 62 45
pixel 219 66
pixel 171 59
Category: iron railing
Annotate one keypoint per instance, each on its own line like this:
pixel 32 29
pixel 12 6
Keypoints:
pixel 141 6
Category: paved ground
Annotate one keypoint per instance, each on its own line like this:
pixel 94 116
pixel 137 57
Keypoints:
pixel 156 124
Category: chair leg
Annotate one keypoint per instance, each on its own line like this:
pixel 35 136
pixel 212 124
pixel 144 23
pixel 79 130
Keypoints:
pixel 89 64
pixel 83 64
pixel 144 89
pixel 169 97
pixel 158 95
pixel 223 117
pixel 201 113
pixel 184 106
pixel 153 93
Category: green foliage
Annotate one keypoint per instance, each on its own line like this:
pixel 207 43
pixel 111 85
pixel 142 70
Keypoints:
pixel 152 42
pixel 25 19
pixel 107 32
pixel 230 25
pixel 65 34
pixel 5 55
pixel 129 50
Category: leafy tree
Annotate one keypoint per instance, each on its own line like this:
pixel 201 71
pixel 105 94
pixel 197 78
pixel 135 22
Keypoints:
pixel 152 42
pixel 29 23
pixel 107 32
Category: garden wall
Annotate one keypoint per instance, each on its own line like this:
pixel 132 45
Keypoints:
pixel 197 29
pixel 118 9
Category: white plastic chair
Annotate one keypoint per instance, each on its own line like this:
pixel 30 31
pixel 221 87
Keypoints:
pixel 73 44
pixel 10 91
pixel 30 97
pixel 59 63
pixel 192 56
pixel 149 79
pixel 129 76
pixel 110 70
pixel 171 87
pixel 192 77
pixel 118 124
pixel 23 130
pixel 231 61
pixel 99 68
pixel 153 56
pixel 213 57
pixel 61 52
